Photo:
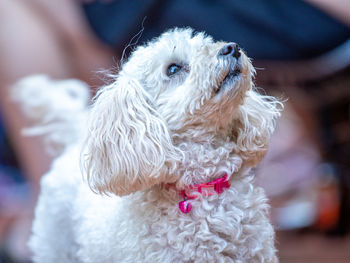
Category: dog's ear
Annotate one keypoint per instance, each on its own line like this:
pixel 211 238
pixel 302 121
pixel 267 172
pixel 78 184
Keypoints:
pixel 128 146
pixel 255 124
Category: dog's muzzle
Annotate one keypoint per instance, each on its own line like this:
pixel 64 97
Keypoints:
pixel 231 54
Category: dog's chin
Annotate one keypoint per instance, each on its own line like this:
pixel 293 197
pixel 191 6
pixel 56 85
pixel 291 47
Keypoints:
pixel 228 82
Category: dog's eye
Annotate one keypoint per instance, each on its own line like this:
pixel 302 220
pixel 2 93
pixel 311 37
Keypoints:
pixel 173 69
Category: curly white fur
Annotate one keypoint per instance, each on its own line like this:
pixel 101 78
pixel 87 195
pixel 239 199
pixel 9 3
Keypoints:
pixel 58 109
pixel 148 129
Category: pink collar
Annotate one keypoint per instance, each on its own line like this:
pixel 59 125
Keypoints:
pixel 216 186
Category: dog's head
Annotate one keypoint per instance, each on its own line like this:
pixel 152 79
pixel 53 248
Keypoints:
pixel 181 85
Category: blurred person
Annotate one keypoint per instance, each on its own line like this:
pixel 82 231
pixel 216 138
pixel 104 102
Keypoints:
pixel 45 37
pixel 36 37
pixel 58 41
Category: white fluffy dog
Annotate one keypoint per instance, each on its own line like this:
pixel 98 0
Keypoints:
pixel 166 157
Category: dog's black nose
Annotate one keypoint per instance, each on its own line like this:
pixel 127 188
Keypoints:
pixel 231 49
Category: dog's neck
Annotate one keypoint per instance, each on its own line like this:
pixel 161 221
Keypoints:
pixel 205 161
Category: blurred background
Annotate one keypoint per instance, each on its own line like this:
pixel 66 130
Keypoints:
pixel 300 48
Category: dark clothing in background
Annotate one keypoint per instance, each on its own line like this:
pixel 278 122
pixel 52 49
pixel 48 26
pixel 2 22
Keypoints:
pixel 270 29
pixel 10 173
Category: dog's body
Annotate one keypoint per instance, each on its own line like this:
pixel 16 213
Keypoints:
pixel 76 225
pixel 182 111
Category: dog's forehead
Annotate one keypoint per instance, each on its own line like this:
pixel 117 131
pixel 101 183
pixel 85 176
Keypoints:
pixel 175 43
pixel 181 39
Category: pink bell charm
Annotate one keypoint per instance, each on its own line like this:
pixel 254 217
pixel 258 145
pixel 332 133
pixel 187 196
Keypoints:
pixel 185 206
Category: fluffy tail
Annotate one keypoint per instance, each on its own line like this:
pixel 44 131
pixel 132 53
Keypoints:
pixel 57 109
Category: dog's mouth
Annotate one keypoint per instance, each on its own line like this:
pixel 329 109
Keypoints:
pixel 232 74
